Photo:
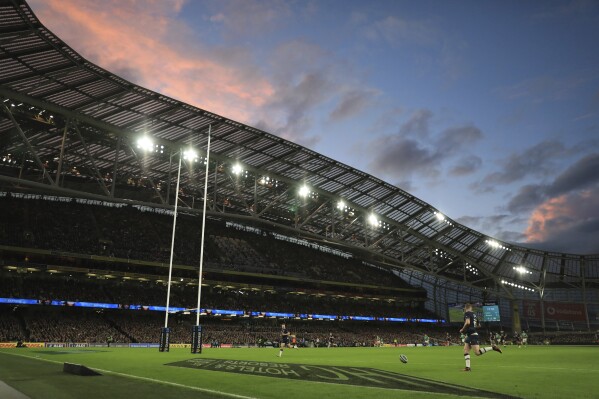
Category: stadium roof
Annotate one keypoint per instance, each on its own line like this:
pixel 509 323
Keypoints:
pixel 62 116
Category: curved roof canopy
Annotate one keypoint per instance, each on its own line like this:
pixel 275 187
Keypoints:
pixel 69 126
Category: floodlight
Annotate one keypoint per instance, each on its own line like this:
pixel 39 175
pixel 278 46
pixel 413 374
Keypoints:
pixel 190 155
pixel 373 220
pixel 304 191
pixel 522 270
pixel 440 217
pixel 237 169
pixel 340 205
pixel 145 144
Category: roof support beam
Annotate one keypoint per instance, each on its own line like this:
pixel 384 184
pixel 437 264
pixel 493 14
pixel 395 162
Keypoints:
pixel 28 144
pixel 60 158
pixel 314 213
pixel 93 163
pixel 149 179
pixel 116 163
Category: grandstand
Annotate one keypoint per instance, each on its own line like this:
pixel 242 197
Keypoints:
pixel 289 230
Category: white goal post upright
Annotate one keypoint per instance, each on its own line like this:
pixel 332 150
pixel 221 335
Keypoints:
pixel 165 333
pixel 196 341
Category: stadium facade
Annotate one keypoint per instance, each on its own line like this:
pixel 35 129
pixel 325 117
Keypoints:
pixel 69 128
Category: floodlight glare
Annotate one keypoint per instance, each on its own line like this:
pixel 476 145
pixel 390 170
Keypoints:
pixel 493 244
pixel 373 220
pixel 440 217
pixel 190 155
pixel 237 169
pixel 340 205
pixel 145 144
pixel 522 270
pixel 304 191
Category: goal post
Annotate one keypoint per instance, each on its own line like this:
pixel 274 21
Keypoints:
pixel 196 339
pixel 165 334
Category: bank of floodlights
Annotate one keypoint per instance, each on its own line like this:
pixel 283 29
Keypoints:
pixel 521 270
pixel 146 144
pixel 515 285
pixel 472 269
pixel 441 218
pixel 496 245
pixel 190 155
pixel 305 192
pixel 373 220
pixel 238 170
pixel 442 254
pixel 268 182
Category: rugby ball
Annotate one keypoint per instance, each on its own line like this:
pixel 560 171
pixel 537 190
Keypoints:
pixel 403 358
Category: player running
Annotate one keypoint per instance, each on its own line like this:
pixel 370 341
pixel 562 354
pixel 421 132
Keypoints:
pixel 471 341
pixel 284 339
pixel 427 340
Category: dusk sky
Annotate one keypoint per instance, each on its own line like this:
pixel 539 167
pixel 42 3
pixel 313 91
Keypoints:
pixel 487 110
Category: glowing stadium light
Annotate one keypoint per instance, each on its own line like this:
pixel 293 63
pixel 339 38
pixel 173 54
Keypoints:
pixel 304 191
pixel 373 220
pixel 440 217
pixel 441 254
pixel 519 286
pixel 494 244
pixel 237 169
pixel 341 205
pixel 190 155
pixel 522 270
pixel 268 182
pixel 471 269
pixel 145 144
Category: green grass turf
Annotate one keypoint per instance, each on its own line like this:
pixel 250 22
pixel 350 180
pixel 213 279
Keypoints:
pixel 532 372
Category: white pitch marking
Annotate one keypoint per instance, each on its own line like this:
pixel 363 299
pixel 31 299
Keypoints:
pixel 231 395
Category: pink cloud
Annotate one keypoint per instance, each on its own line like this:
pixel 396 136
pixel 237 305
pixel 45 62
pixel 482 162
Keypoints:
pixel 563 215
pixel 548 211
pixel 147 43
pixel 144 42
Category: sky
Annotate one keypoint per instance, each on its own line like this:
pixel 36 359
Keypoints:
pixel 487 110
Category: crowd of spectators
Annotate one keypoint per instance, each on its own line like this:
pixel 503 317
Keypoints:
pixel 568 338
pixel 46 324
pixel 134 233
pixel 68 324
pixel 10 329
pixel 127 326
pixel 77 287
pixel 72 325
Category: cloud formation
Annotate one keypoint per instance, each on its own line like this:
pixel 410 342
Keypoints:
pixel 353 102
pixel 398 31
pixel 579 176
pixel 499 224
pixel 250 18
pixel 560 215
pixel 568 223
pixel 306 78
pixel 145 42
pixel 563 212
pixel 466 165
pixel 150 44
pixel 539 161
pixel 417 151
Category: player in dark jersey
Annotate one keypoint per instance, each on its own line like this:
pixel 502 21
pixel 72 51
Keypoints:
pixel 330 340
pixel 471 341
pixel 284 339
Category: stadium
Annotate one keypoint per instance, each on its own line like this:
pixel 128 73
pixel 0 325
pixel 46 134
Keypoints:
pixel 128 218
